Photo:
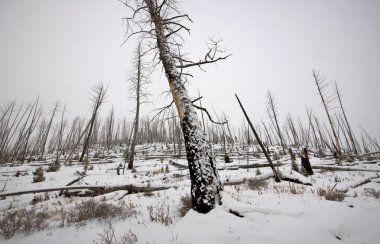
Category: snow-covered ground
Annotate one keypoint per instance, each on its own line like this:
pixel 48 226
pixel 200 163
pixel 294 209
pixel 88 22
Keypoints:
pixel 282 212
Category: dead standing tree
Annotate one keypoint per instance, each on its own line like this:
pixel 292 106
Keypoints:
pixel 137 86
pixel 60 136
pixel 97 97
pixel 322 85
pixel 110 123
pixel 160 23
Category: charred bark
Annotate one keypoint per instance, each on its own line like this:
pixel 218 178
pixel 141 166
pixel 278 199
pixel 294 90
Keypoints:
pixel 305 162
pixel 205 183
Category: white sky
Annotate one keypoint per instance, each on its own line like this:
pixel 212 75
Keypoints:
pixel 59 49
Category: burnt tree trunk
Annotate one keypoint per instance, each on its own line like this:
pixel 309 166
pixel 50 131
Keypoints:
pixel 205 183
pixel 306 162
pixel 275 173
pixel 137 115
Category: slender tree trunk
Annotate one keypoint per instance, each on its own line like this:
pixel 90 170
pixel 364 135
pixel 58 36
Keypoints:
pixel 48 130
pixel 137 115
pixel 277 127
pixel 350 134
pixel 60 135
pixel 267 133
pixel 317 143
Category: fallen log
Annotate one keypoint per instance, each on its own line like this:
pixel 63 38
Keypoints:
pixel 257 165
pixel 296 181
pixel 240 166
pixel 100 189
pixel 70 183
pixel 243 180
pixel 340 168
pixel 285 177
pixel 370 153
pixel 49 190
pixel 177 164
pixel 366 181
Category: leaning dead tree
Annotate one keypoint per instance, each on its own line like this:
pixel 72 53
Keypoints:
pixel 273 115
pixel 97 97
pixel 160 23
pixel 275 172
pixel 293 130
pixel 46 134
pixel 349 130
pixel 322 86
pixel 22 145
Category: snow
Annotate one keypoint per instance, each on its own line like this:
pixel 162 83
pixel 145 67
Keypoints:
pixel 273 214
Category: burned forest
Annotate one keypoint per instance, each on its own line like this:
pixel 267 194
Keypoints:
pixel 189 122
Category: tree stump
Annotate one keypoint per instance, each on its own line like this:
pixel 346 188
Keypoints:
pixel 305 162
pixel 292 155
pixel 227 159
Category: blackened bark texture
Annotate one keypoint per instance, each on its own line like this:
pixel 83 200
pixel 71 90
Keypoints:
pixel 205 183
pixel 305 162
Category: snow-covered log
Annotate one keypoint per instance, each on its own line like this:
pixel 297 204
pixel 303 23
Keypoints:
pixel 98 189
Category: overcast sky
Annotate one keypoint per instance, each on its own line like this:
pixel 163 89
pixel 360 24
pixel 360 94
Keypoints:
pixel 60 49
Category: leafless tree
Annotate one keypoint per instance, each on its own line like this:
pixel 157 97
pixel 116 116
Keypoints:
pixel 138 83
pixel 46 134
pixel 293 130
pixel 109 130
pixel 8 127
pixel 160 23
pixel 326 99
pixel 60 136
pixel 97 97
pixel 350 133
pixel 372 141
pixel 316 141
pixel 275 173
pixel 269 138
pixel 273 115
pixel 21 146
